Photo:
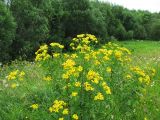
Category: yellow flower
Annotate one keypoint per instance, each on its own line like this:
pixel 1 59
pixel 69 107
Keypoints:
pixel 118 54
pixel 66 55
pixel 47 78
pixel 56 55
pixel 65 112
pixel 68 64
pixel 50 109
pixel 42 53
pixel 85 40
pixel 34 106
pixel 12 75
pixel 44 47
pixel 74 56
pixel 14 85
pixel 106 58
pixel 97 62
pixel 65 76
pixel 88 87
pixel 57 105
pixel 77 84
pixel 21 74
pixel 72 44
pixel 75 116
pixel 74 94
pixel 99 96
pixel 140 79
pixel 80 68
pixel 61 119
pixel 153 72
pixel 87 57
pixel 106 88
pixel 147 79
pixel 145 118
pixel 81 35
pixel 125 50
pixel 94 76
pixel 128 76
pixel 109 70
pixel 56 45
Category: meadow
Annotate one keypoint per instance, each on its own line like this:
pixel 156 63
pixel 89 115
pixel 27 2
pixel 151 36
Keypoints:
pixel 118 81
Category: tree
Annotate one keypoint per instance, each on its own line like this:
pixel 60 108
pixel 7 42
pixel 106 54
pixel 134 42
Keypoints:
pixel 78 17
pixel 7 32
pixel 32 25
pixel 140 32
pixel 57 21
pixel 120 32
pixel 155 30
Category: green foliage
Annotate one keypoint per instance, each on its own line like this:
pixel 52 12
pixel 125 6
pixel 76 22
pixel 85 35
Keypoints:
pixel 78 17
pixel 155 30
pixel 7 32
pixel 140 32
pixel 120 32
pixel 32 25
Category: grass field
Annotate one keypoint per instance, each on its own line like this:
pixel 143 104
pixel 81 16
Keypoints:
pixel 32 93
pixel 144 51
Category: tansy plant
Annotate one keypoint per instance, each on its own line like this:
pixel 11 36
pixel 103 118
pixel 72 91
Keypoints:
pixel 91 84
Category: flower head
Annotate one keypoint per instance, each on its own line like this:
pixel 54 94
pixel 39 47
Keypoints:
pixel 34 106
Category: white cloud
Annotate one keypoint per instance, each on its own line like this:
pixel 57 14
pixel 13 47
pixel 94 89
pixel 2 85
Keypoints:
pixel 150 5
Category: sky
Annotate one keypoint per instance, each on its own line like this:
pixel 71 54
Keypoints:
pixel 150 5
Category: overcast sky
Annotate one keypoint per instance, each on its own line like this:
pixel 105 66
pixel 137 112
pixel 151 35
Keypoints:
pixel 150 5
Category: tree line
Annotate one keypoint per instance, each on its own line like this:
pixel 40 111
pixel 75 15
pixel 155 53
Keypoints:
pixel 25 24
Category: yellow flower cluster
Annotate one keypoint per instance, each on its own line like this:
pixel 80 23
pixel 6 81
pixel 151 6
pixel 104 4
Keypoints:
pixel 99 96
pixel 109 69
pixel 34 106
pixel 123 49
pixel 12 75
pixel 94 76
pixel 47 78
pixel 71 69
pixel 106 88
pixel 77 84
pixel 57 106
pixel 120 53
pixel 83 41
pixel 42 53
pixel 152 71
pixel 65 111
pixel 88 87
pixel 128 76
pixel 56 55
pixel 68 64
pixel 61 119
pixel 16 75
pixel 75 116
pixel 74 94
pixel 53 44
pixel 143 77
